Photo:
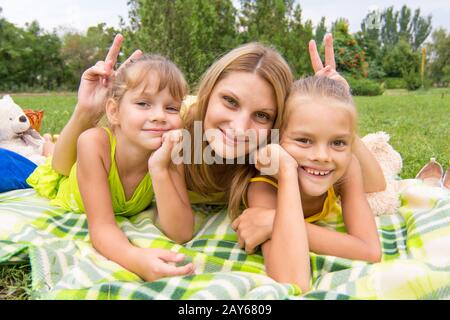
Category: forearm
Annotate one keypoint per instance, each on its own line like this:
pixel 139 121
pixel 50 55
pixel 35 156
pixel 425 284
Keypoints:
pixel 110 241
pixel 329 242
pixel 65 153
pixel 373 177
pixel 289 239
pixel 175 215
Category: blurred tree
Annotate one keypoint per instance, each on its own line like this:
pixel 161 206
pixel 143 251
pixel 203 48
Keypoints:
pixel 400 59
pixel 398 25
pixel 439 57
pixel 369 40
pixel 29 57
pixel 81 51
pixel 321 30
pixel 192 33
pixel 278 23
pixel 350 57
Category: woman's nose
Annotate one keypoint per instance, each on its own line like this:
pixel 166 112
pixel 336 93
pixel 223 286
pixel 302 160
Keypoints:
pixel 241 123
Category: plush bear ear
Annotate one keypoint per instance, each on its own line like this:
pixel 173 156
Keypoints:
pixel 7 97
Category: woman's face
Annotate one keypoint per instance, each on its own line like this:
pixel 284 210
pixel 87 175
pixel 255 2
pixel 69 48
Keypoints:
pixel 242 109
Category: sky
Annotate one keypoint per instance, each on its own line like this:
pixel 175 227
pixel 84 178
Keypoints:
pixel 80 14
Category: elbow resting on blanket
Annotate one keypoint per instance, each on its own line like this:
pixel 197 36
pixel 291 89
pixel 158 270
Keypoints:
pixel 301 282
pixel 375 255
pixel 182 239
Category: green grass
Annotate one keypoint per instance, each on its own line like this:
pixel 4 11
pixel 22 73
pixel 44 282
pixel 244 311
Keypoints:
pixel 419 125
pixel 57 108
pixel 15 281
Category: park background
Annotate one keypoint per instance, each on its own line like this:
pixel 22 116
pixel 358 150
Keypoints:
pixel 397 64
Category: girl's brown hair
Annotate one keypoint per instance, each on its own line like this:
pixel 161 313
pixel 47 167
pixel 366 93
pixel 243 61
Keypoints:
pixel 270 66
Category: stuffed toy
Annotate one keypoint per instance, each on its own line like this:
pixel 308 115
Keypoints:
pixel 17 134
pixel 387 201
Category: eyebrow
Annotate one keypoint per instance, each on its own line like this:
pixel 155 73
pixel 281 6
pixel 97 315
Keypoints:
pixel 304 133
pixel 235 96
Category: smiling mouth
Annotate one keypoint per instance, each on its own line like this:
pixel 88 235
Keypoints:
pixel 155 130
pixel 316 173
pixel 233 140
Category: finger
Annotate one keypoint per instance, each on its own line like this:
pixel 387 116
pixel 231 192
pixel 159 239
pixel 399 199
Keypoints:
pixel 93 72
pixel 241 242
pixel 114 51
pixel 235 224
pixel 323 72
pixel 135 55
pixel 167 270
pixel 170 256
pixel 329 51
pixel 316 62
pixel 109 68
pixel 249 248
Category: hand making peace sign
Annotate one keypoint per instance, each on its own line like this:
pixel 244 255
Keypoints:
pixel 95 80
pixel 330 64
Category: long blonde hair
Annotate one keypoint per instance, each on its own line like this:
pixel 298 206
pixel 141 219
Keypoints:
pixel 254 58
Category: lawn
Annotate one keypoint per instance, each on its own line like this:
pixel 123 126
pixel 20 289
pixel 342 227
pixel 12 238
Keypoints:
pixel 419 125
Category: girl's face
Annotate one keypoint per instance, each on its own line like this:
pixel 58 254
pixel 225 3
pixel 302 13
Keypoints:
pixel 145 115
pixel 318 136
pixel 239 102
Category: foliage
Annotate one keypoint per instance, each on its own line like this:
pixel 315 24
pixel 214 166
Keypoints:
pixel 29 57
pixel 394 83
pixel 386 35
pixel 439 57
pixel 401 59
pixel 412 80
pixel 80 51
pixel 193 33
pixel 401 24
pixel 350 57
pixel 364 87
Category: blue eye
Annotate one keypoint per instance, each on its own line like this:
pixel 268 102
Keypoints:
pixel 230 101
pixel 262 116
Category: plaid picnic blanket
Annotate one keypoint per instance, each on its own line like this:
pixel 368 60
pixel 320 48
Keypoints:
pixel 415 264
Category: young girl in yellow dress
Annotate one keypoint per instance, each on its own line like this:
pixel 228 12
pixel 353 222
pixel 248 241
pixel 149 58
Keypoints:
pixel 317 177
pixel 121 167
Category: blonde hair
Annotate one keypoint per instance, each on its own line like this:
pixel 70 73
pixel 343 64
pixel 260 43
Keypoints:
pixel 319 87
pixel 270 66
pixel 136 73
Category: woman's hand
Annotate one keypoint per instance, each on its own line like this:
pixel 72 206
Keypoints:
pixel 161 158
pixel 94 82
pixel 330 64
pixel 253 227
pixel 153 264
pixel 272 157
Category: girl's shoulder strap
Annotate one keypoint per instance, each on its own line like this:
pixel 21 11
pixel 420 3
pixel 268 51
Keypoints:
pixel 259 179
pixel 112 142
pixel 264 179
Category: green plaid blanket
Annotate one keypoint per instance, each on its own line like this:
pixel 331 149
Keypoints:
pixel 415 265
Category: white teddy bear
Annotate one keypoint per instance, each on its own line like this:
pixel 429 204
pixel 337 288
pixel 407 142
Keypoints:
pixel 391 163
pixel 16 133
